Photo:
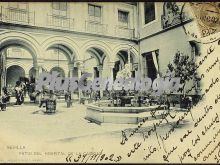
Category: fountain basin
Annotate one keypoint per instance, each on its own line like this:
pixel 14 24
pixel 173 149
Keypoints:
pixel 122 115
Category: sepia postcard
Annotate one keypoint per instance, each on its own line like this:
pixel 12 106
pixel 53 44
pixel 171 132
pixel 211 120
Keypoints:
pixel 109 82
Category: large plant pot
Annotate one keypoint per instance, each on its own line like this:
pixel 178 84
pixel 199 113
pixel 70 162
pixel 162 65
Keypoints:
pixel 50 106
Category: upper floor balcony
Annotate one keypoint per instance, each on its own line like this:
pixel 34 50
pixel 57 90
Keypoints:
pixel 19 16
pixel 96 27
pixel 58 21
pixel 124 32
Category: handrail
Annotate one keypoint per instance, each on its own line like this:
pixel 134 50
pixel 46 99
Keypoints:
pixel 16 15
pixel 96 27
pixel 60 21
pixel 124 31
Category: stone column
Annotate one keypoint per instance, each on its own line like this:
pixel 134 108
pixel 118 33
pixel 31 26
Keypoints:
pixel 135 68
pixel 100 69
pixel 37 72
pixel 111 66
pixel 80 69
pixel 129 60
pixel 3 70
pixel 143 66
pixel 39 68
pixel 26 69
pixel 71 68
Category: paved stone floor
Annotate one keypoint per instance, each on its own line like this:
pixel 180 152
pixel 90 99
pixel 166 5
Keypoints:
pixel 29 120
pixel 65 130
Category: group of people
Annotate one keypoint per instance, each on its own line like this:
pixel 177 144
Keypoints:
pixel 47 98
pixel 19 91
pixel 6 95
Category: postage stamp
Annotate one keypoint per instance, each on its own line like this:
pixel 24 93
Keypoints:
pixel 207 16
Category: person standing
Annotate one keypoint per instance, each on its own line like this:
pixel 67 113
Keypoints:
pixel 6 95
pixel 19 94
pixel 4 99
pixel 43 97
pixel 68 98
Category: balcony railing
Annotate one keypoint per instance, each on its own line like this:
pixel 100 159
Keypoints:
pixel 14 15
pixel 125 32
pixel 20 16
pixel 60 21
pixel 96 27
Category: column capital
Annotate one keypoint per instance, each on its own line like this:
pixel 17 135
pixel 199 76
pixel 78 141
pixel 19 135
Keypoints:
pixel 79 62
pixel 80 65
pixel 71 65
pixel 100 67
pixel 40 62
pixel 111 65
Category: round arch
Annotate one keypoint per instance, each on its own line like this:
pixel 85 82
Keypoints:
pixel 65 44
pixel 59 70
pixel 17 63
pixel 22 40
pixel 96 56
pixel 119 48
pixel 14 72
pixel 63 50
pixel 32 71
pixel 99 45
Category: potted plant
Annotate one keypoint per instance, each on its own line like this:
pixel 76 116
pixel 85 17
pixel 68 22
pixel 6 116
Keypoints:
pixel 183 67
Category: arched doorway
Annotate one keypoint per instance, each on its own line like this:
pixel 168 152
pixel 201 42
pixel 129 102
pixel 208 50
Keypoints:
pixel 123 58
pixel 32 72
pixel 91 62
pixel 96 62
pixel 60 56
pixel 17 51
pixel 59 70
pixel 14 73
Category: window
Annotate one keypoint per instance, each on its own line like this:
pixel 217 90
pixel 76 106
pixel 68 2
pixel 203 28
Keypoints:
pixel 95 12
pixel 149 12
pixel 59 8
pixel 151 63
pixel 123 18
